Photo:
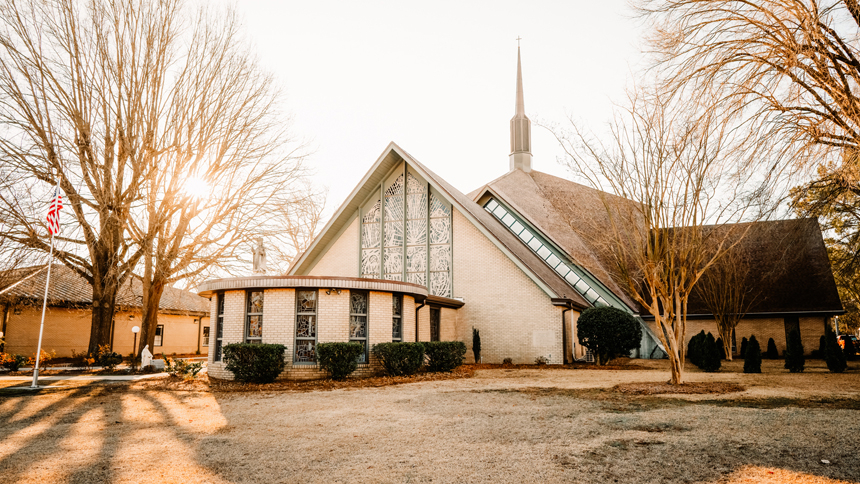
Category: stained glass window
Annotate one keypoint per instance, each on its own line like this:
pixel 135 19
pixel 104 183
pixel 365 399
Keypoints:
pixel 358 321
pixel 393 236
pixel 397 318
pixel 440 247
pixel 306 326
pixel 370 242
pixel 254 317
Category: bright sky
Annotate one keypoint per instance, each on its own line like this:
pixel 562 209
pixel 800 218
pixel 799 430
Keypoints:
pixel 438 78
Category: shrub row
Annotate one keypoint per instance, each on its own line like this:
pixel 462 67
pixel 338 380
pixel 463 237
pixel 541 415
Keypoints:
pixel 705 352
pixel 262 363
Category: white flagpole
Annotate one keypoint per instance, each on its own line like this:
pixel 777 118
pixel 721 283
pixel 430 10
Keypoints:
pixel 44 305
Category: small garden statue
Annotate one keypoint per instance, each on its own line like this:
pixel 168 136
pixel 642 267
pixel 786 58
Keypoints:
pixel 145 357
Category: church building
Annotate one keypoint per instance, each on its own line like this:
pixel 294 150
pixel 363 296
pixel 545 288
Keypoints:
pixel 408 257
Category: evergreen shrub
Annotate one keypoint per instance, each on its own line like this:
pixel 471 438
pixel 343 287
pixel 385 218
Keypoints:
pixel 752 358
pixel 608 332
pixel 772 353
pixel 721 348
pixel 339 360
pixel 710 355
pixel 106 358
pixel 399 359
pixel 695 348
pixel 255 363
pixel 476 344
pixel 795 361
pixel 819 353
pixel 833 354
pixel 444 355
pixel 744 344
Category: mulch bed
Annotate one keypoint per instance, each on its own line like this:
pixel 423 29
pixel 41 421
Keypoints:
pixel 206 384
pixel 616 364
pixel 657 388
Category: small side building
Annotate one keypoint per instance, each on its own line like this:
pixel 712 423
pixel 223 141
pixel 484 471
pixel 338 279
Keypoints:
pixel 183 318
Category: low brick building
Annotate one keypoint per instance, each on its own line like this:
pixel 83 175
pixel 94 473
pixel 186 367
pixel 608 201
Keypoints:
pixel 183 318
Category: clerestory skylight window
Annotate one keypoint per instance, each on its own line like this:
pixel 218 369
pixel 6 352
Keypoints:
pixel 552 258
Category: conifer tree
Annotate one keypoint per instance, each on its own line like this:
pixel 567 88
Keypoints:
pixel 722 348
pixel 795 361
pixel 772 353
pixel 752 358
pixel 744 343
pixel 710 354
pixel 833 355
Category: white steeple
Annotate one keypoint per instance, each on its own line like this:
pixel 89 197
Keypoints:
pixel 521 128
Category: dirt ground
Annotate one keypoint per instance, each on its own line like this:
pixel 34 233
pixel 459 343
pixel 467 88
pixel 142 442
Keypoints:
pixel 501 425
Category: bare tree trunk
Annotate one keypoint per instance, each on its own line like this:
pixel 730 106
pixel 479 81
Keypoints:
pixel 726 334
pixel 150 316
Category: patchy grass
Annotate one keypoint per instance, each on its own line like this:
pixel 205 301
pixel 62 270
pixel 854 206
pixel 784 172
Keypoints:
pixel 527 425
pixel 662 388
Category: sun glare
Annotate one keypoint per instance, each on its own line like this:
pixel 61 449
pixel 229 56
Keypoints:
pixel 196 187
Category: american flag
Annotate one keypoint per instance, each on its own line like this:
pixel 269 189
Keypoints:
pixel 54 213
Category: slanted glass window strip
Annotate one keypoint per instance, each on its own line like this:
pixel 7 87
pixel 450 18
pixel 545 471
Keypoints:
pixel 416 230
pixel 370 242
pixel 254 318
pixel 397 318
pixel 219 326
pixel 306 326
pixel 547 254
pixel 393 236
pixel 358 321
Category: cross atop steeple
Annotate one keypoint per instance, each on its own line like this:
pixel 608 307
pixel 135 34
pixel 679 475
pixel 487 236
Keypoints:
pixel 521 127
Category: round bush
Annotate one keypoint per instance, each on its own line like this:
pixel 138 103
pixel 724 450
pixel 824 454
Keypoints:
pixel 399 359
pixel 339 359
pixel 608 332
pixel 255 363
pixel 444 355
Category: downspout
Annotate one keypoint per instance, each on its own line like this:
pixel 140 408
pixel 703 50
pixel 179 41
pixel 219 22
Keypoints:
pixel 416 318
pixel 199 332
pixel 565 337
pixel 4 319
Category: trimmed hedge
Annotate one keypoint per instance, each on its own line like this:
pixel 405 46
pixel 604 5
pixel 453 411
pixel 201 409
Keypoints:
pixel 444 355
pixel 696 348
pixel 399 359
pixel 339 359
pixel 608 332
pixel 255 363
pixel 752 359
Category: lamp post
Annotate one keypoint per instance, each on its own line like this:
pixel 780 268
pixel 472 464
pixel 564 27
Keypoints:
pixel 135 330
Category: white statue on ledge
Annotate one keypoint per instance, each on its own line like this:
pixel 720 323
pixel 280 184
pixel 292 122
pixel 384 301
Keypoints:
pixel 259 257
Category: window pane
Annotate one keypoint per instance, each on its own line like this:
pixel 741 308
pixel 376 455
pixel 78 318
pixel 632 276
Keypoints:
pixel 306 351
pixel 397 305
pixel 306 326
pixel 582 287
pixel 526 236
pixel 562 269
pixel 396 329
pixel 553 261
pixel 357 302
pixel 508 219
pixel 571 277
pixel 500 212
pixel 543 252
pixel 307 301
pixel 491 205
pixel 219 332
pixel 517 227
pixel 255 302
pixel 535 244
pixel 255 326
pixel 358 326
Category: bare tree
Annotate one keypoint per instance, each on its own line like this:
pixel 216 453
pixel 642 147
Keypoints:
pixel 72 84
pixel 728 290
pixel 666 166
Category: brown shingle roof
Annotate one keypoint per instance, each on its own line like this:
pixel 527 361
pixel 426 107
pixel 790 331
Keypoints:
pixel 69 289
pixel 788 257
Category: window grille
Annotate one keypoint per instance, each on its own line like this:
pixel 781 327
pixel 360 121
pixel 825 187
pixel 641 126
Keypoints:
pixel 306 326
pixel 434 324
pixel 397 318
pixel 254 318
pixel 358 321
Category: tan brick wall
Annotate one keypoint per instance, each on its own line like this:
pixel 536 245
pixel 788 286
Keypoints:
pixel 811 329
pixel 279 313
pixel 341 258
pixel 515 317
pixel 69 329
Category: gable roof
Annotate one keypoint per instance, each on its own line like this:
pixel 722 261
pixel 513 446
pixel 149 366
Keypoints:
pixel 788 260
pixel 787 269
pixel 564 212
pixel 69 289
pixel 508 243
